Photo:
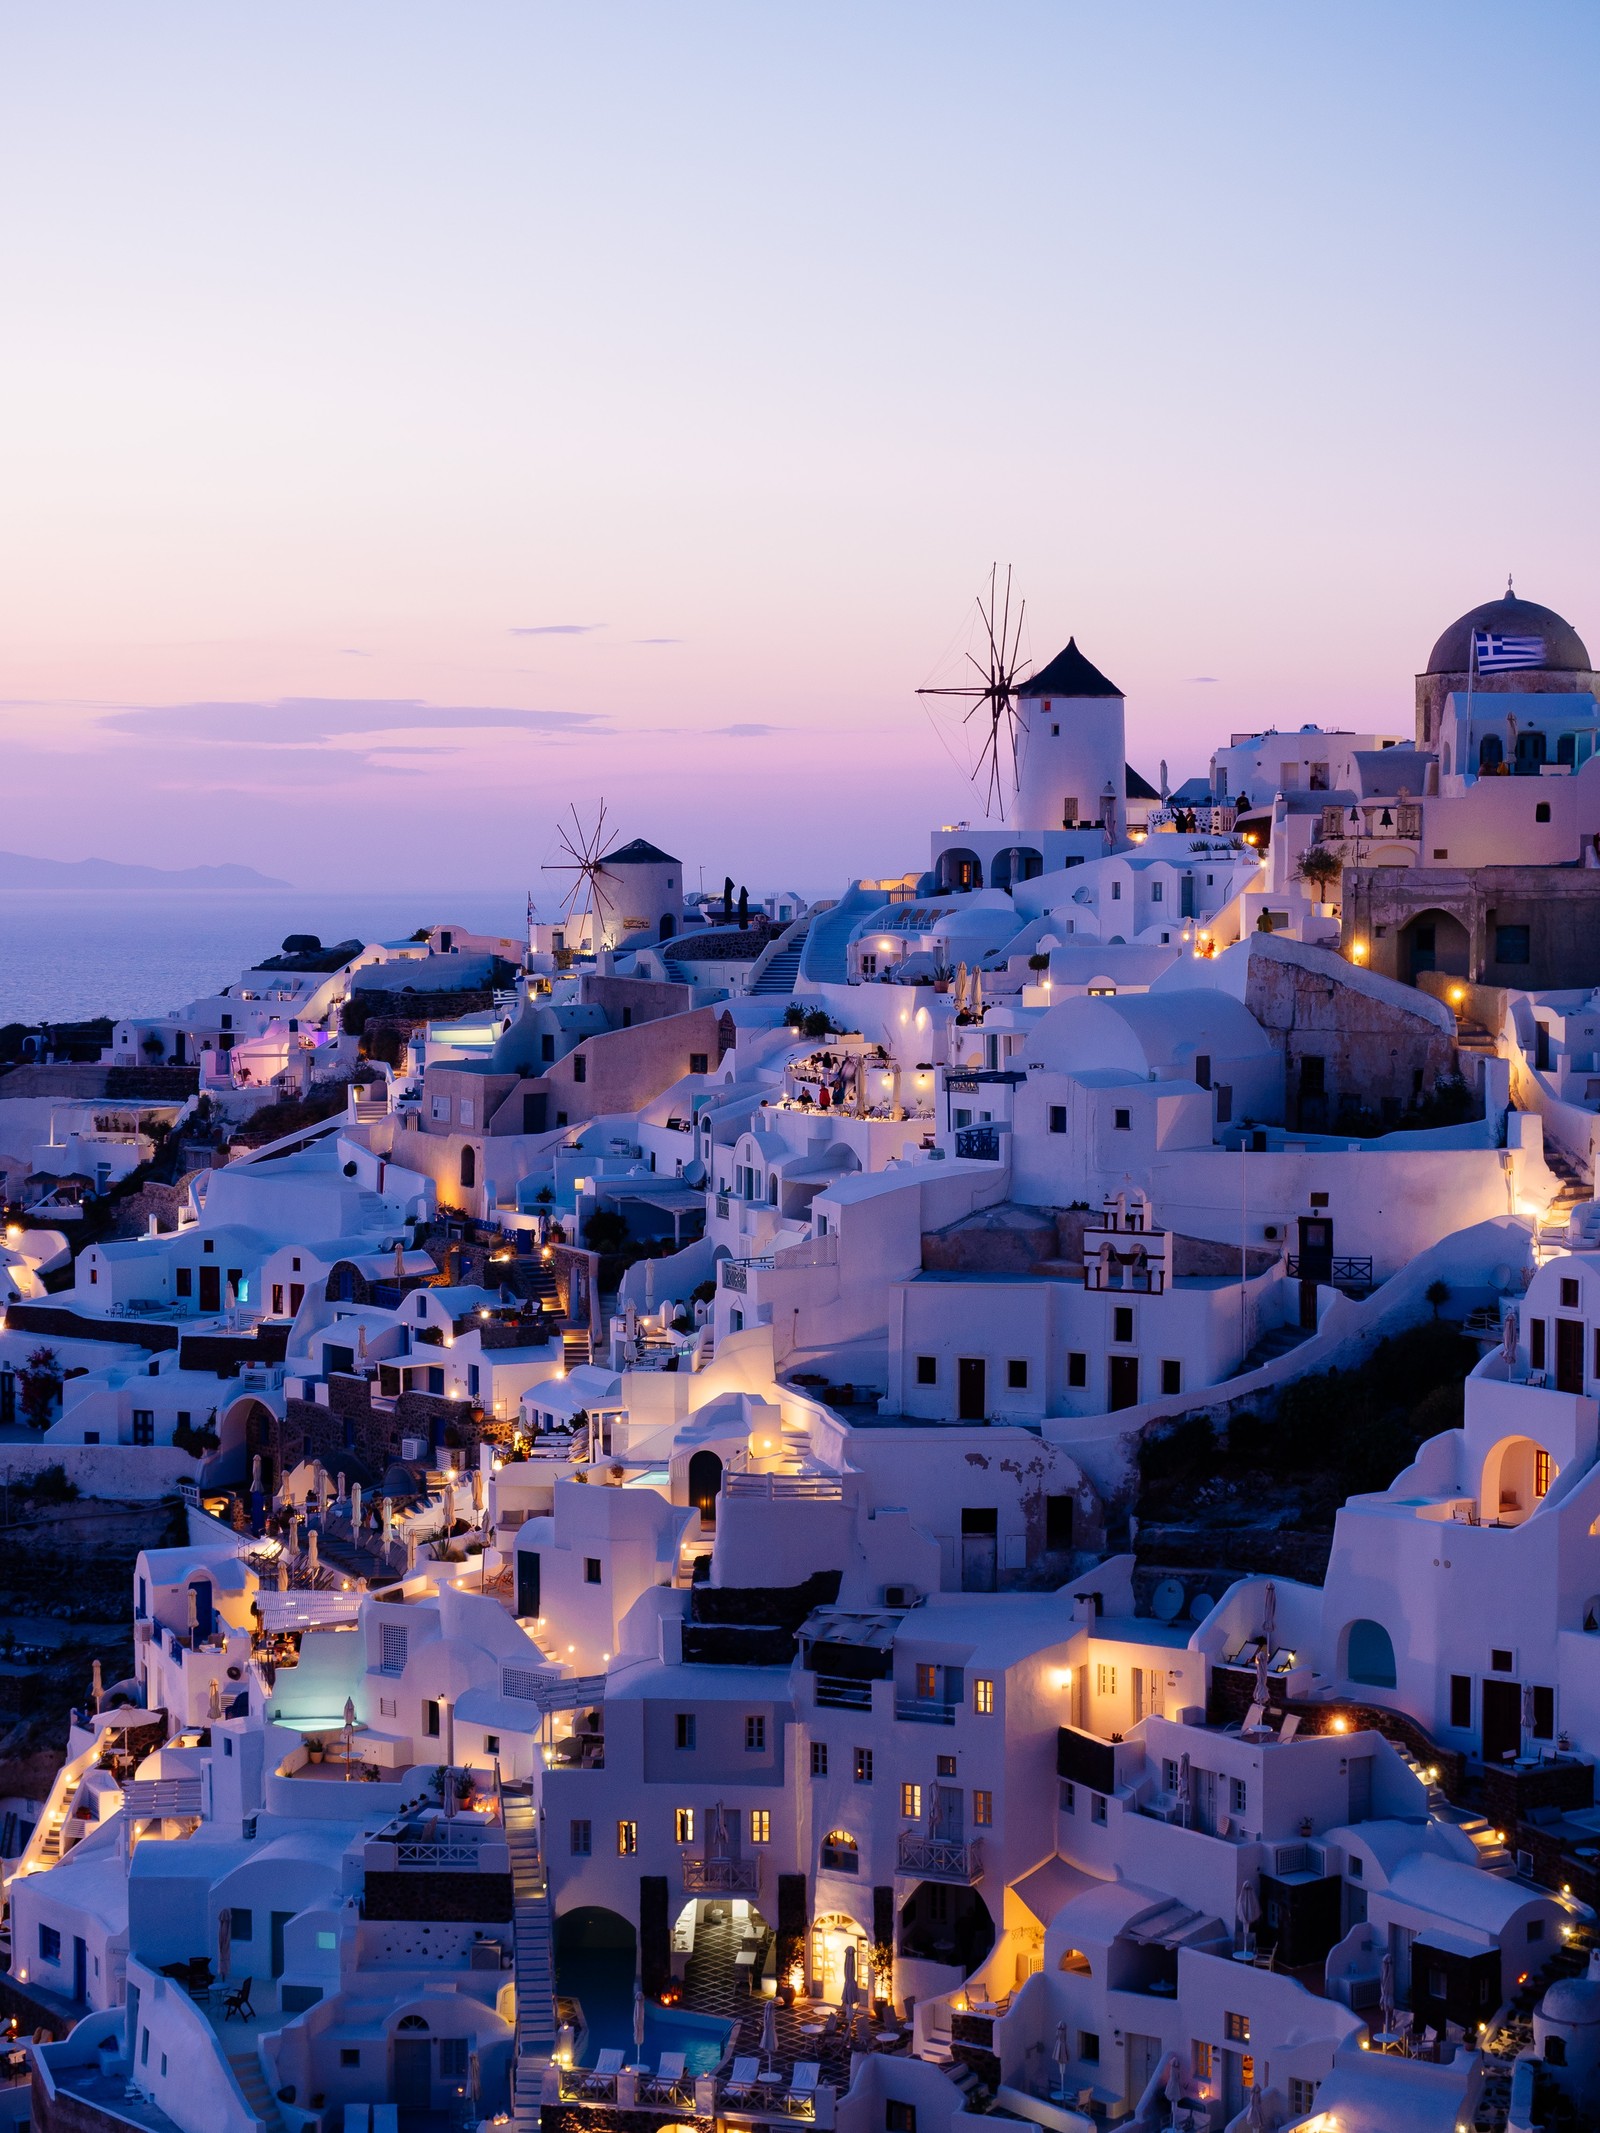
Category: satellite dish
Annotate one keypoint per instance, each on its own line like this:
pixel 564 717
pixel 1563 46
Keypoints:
pixel 1166 1602
pixel 1200 1606
pixel 1501 1277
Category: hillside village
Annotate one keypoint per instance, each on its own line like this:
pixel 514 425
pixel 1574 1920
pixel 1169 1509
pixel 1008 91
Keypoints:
pixel 940 1465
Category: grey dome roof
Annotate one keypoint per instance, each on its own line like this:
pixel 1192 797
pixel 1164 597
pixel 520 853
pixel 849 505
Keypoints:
pixel 1564 650
pixel 1574 2001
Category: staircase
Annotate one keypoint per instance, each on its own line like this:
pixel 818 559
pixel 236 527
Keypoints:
pixel 253 2087
pixel 46 1845
pixel 576 1347
pixel 781 965
pixel 1574 1191
pixel 1474 1041
pixel 826 959
pixel 1492 1854
pixel 535 1971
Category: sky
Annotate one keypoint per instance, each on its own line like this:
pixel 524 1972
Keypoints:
pixel 416 422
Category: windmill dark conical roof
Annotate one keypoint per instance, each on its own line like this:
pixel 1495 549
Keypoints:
pixel 640 853
pixel 1068 674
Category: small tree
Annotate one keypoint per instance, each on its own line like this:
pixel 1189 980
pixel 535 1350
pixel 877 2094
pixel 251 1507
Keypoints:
pixel 605 1231
pixel 1038 962
pixel 41 1387
pixel 816 1024
pixel 1317 867
pixel 1437 1294
pixel 152 1047
pixel 744 908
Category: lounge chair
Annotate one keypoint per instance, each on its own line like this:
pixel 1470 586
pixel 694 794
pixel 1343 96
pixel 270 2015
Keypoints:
pixel 603 2076
pixel 664 2081
pixel 742 2080
pixel 1290 1727
pixel 801 2100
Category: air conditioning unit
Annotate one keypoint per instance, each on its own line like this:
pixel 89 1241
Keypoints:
pixel 1271 1230
pixel 900 1596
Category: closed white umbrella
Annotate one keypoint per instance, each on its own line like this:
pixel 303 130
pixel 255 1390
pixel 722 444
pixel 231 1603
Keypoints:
pixel 224 1940
pixel 97 1685
pixel 847 1992
pixel 349 1733
pixel 1386 1993
pixel 1247 1909
pixel 1061 2052
pixel 1269 1615
pixel 214 1698
pixel 638 2020
pixel 1185 1789
pixel 1174 2088
pixel 255 1475
pixel 311 1552
pixel 1261 1673
pixel 283 1573
pixel 355 1511
pixel 769 2032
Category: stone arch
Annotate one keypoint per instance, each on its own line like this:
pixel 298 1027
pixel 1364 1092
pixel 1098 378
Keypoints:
pixel 669 925
pixel 1075 1960
pixel 958 870
pixel 345 1284
pixel 1018 862
pixel 244 1427
pixel 1435 940
pixel 1367 1654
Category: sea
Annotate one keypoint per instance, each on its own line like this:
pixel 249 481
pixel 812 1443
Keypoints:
pixel 69 954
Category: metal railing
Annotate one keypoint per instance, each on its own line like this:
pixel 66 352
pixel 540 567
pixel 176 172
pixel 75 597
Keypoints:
pixel 925 1710
pixel 941 1858
pixel 162 1796
pixel 817 1488
pixel 1351 1273
pixel 716 1877
pixel 838 1694
pixel 980 1144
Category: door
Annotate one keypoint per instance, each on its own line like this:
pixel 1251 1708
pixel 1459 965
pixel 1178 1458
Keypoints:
pixel 204 1616
pixel 535 1110
pixel 1569 1355
pixel 1316 1248
pixel 527 1581
pixel 297 1296
pixel 413 2073
pixel 980 1551
pixel 279 1920
pixel 1123 1382
pixel 705 1485
pixel 1502 1720
pixel 1144 2055
pixel 80 1969
pixel 949 1813
pixel 1360 1788
pixel 971 1379
pixel 210 1288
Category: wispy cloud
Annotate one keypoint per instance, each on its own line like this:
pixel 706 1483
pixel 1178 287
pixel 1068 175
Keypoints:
pixel 354 651
pixel 558 629
pixel 1200 677
pixel 750 730
pixel 299 721
pixel 656 640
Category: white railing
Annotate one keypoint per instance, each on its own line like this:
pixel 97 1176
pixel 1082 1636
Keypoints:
pixel 163 1796
pixel 940 1858
pixel 816 1488
pixel 729 1877
pixel 925 1710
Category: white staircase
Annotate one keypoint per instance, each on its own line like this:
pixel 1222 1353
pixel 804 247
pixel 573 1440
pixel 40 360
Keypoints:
pixel 535 1965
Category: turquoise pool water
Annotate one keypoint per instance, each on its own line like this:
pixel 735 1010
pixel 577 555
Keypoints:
pixel 601 1980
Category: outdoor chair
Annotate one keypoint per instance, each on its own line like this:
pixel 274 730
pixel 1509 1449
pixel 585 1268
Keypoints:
pixel 602 2081
pixel 801 2100
pixel 238 2002
pixel 742 2080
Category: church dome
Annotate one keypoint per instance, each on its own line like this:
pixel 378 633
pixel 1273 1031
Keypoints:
pixel 1574 2002
pixel 1564 650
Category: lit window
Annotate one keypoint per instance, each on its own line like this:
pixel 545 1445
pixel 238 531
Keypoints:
pixel 1200 2058
pixel 911 1801
pixel 683 1825
pixel 1541 1473
pixel 863 1766
pixel 1236 2027
pixel 627 1838
pixel 983 1697
pixel 760 1825
pixel 983 1809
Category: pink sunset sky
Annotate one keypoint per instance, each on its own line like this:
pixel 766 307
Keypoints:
pixel 418 418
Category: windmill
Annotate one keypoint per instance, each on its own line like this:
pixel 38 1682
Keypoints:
pixel 585 897
pixel 991 694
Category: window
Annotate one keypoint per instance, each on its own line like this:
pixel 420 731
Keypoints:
pixel 684 1729
pixel 243 1923
pixel 1069 1797
pixel 1541 811
pixel 698 1062
pixel 627 1839
pixel 1555 2051
pixel 1569 1296
pixel 452 2058
pixel 1202 1069
pixel 983 1809
pixel 1058 1118
pixel 491 1744
pixel 1200 2058
pixel 473 1378
pixel 1077 1368
pixel 1247 2070
pixel 983 1696
pixel 683 1825
pixel 927 1683
pixel 1541 1473
pixel 185 1281
pixel 1536 1343
pixel 1544 1713
pixel 144 1425
pixel 1461 1700
pixel 1536 1929
pixel 1236 2028
pixel 760 1825
pixel 1122 1323
pixel 1122 1121
pixel 1512 944
pixel 927 1370
pixel 430 1719
pixel 863 1766
pixel 839 1853
pixel 755 1735
pixel 1105 1679
pixel 1116 892
pixel 277 1299
pixel 1088 2047
pixel 944 1766
pixel 349 2055
pixel 899 2117
pixel 547 1049
pixel 1097 1808
pixel 49 1945
pixel 819 1758
pixel 591 1570
pixel 581 1840
pixel 1355 1866
pixel 1017 1374
pixel 1237 1795
pixel 911 1802
pixel 464 1110
pixel 1502 1663
pixel 580 1067
pixel 1172 1376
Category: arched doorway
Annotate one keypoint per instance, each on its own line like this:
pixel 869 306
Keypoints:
pixel 469 1169
pixel 833 1935
pixel 958 870
pixel 669 925
pixel 1435 940
pixel 1516 1479
pixel 1018 862
pixel 1369 1654
pixel 596 1960
pixel 705 1484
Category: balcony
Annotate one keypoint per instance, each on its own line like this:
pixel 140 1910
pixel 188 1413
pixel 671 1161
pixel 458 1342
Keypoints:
pixel 837 1694
pixel 940 1858
pixel 924 1710
pixel 720 1877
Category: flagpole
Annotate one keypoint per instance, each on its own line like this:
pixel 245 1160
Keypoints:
pixel 1472 668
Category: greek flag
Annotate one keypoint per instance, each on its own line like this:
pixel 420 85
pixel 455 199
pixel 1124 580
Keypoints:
pixel 1495 653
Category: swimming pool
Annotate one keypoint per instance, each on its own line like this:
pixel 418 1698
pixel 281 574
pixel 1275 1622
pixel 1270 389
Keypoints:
pixel 601 1980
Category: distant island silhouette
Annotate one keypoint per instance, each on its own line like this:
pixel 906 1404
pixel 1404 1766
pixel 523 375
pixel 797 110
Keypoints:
pixel 19 871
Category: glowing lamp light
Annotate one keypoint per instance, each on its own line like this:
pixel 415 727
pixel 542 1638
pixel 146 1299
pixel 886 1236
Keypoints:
pixel 1358 951
pixel 1341 1725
